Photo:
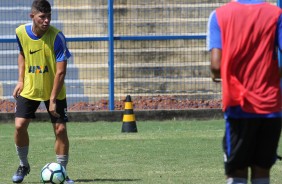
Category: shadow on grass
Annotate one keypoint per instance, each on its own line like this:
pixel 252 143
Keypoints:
pixel 106 180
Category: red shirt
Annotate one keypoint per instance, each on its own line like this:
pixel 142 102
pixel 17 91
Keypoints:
pixel 249 66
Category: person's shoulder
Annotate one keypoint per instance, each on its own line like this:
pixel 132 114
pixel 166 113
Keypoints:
pixel 23 27
pixel 212 18
pixel 273 8
pixel 53 29
pixel 224 7
pixel 231 3
pixel 270 4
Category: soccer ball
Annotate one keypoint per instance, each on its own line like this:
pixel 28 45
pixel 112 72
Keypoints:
pixel 53 173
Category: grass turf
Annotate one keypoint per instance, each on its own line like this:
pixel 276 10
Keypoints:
pixel 161 152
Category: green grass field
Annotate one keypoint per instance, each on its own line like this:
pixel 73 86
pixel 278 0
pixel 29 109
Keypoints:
pixel 161 152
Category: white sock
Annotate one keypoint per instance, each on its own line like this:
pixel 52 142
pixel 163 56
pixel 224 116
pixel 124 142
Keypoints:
pixel 237 181
pixel 22 153
pixel 261 181
pixel 63 160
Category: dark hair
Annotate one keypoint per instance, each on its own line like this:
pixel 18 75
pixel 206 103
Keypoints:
pixel 41 6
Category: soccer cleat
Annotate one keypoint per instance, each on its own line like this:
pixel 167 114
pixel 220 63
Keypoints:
pixel 20 174
pixel 68 181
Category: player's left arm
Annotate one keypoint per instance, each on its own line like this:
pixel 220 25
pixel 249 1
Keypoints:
pixel 62 54
pixel 214 46
pixel 215 64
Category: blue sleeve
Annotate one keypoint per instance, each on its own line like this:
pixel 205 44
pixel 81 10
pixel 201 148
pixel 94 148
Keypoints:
pixel 279 32
pixel 19 44
pixel 214 33
pixel 60 46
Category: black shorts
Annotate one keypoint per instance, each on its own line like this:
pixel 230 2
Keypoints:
pixel 26 108
pixel 249 142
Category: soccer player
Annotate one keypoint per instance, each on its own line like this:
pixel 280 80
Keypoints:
pixel 243 36
pixel 42 64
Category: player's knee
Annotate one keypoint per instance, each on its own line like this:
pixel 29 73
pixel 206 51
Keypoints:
pixel 61 131
pixel 21 126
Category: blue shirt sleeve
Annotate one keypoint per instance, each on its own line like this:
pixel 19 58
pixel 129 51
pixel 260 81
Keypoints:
pixel 60 46
pixel 214 33
pixel 19 44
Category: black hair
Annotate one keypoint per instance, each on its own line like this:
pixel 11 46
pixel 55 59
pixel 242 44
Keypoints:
pixel 41 6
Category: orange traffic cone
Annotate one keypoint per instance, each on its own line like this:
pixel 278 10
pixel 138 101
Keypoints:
pixel 129 123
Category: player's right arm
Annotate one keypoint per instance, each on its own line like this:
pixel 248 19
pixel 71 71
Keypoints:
pixel 279 41
pixel 21 70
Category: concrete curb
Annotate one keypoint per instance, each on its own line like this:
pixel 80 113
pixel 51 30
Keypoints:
pixel 116 116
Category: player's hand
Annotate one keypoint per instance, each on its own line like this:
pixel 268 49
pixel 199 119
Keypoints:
pixel 52 109
pixel 215 79
pixel 18 89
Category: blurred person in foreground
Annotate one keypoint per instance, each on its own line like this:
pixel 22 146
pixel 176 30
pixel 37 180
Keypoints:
pixel 42 64
pixel 243 37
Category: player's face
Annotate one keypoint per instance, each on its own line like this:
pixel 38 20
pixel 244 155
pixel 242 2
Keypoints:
pixel 41 21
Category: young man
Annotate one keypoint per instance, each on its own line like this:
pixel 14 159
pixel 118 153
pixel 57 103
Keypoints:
pixel 42 63
pixel 242 37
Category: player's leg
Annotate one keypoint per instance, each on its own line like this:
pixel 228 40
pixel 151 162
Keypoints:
pixel 21 138
pixel 260 175
pixel 60 130
pixel 21 134
pixel 266 150
pixel 61 135
pixel 239 176
pixel 237 146
pixel 61 143
pixel 24 113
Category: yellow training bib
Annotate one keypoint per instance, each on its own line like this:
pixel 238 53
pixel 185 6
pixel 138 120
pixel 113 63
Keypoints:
pixel 40 64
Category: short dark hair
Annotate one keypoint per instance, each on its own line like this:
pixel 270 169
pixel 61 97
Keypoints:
pixel 41 6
